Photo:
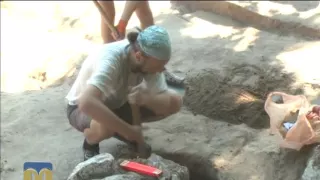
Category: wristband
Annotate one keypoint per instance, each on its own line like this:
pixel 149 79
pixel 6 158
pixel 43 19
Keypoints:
pixel 122 25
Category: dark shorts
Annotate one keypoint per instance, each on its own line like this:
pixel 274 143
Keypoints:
pixel 81 121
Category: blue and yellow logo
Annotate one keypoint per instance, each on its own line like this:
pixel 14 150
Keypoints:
pixel 37 171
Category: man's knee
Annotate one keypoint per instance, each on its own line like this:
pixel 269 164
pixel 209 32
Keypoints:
pixel 176 103
pixel 175 106
pixel 77 119
pixel 97 133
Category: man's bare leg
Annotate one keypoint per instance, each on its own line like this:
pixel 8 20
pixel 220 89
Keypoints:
pixel 108 7
pixel 96 133
pixel 144 14
pixel 129 8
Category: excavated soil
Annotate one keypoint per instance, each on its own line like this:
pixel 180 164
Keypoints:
pixel 237 93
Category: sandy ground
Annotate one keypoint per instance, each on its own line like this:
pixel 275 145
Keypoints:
pixel 306 13
pixel 34 126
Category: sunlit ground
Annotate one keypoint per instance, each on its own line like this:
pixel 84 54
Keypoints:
pixel 50 37
pixel 54 37
pixel 304 12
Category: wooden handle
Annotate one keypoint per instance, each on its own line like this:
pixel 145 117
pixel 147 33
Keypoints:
pixel 105 17
pixel 144 150
pixel 136 118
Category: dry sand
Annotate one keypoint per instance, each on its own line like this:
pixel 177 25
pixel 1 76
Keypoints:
pixel 34 126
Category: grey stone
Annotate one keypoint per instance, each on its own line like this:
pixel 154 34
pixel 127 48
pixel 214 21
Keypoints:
pixel 170 169
pixel 131 176
pixel 105 166
pixel 312 171
pixel 99 166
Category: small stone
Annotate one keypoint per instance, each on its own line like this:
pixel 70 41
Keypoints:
pixel 96 167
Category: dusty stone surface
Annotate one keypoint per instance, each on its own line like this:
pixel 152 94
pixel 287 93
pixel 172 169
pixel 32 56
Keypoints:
pixel 312 171
pixel 98 167
pixel 105 166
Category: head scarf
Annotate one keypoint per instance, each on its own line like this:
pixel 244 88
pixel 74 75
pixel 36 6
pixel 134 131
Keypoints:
pixel 154 41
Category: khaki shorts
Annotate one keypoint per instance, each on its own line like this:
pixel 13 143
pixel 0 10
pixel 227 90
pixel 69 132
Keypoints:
pixel 81 121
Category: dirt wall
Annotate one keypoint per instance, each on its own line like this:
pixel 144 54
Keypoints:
pixel 246 16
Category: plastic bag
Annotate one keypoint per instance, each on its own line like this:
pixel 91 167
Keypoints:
pixel 304 131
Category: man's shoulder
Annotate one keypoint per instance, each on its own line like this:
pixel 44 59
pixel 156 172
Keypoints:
pixel 116 46
pixel 108 51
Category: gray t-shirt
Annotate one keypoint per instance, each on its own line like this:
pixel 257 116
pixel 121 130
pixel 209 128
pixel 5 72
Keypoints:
pixel 109 70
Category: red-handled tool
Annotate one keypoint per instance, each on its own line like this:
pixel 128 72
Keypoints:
pixel 141 168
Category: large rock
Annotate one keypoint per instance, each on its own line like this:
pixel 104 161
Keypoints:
pixel 312 171
pixel 98 167
pixel 105 166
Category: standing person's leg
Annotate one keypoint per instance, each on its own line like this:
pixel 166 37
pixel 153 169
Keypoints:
pixel 144 14
pixel 108 7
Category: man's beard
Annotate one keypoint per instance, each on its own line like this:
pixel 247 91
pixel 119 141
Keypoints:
pixel 138 69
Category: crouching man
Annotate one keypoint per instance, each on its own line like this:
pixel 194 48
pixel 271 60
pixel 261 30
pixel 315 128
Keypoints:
pixel 122 73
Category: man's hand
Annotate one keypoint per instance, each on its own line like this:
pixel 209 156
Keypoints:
pixel 138 95
pixel 137 136
pixel 128 10
pixel 143 149
pixel 121 30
